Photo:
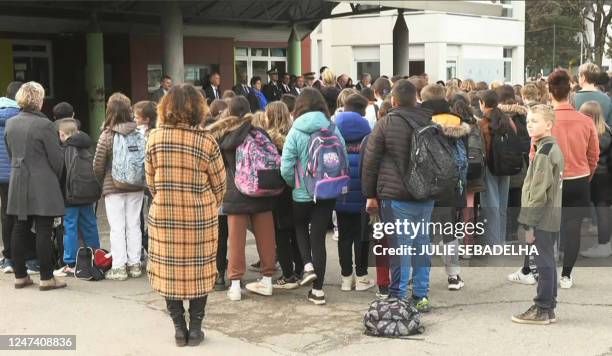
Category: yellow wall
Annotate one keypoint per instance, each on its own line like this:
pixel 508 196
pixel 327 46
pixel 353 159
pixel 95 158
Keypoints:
pixel 6 64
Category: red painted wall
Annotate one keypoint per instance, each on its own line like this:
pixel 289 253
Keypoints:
pixel 147 49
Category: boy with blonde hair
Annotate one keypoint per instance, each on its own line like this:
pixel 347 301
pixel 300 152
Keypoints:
pixel 540 214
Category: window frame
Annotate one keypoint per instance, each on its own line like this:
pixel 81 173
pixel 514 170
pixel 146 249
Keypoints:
pixel 249 58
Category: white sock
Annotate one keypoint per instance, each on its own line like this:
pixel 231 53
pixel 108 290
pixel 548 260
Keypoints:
pixel 235 284
pixel 266 280
pixel 308 267
pixel 318 292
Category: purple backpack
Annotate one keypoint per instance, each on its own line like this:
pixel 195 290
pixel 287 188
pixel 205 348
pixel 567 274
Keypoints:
pixel 326 175
pixel 258 167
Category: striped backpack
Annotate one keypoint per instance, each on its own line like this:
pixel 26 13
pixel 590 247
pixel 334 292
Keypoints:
pixel 258 167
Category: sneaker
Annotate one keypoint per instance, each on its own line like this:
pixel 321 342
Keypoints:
pixel 260 287
pixel 520 278
pixel 286 283
pixel 65 271
pixel 315 299
pixel 255 267
pixel 7 266
pixel 552 316
pixel 348 283
pixel 566 282
pixel 336 235
pixel 598 251
pixel 33 267
pixel 309 277
pixel 117 274
pixel 533 315
pixel 383 292
pixel 234 294
pixel 363 283
pixel 134 271
pixel 455 283
pixel 422 304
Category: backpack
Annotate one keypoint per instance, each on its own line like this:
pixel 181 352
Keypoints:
pixel 476 154
pixel 392 318
pixel 432 168
pixel 507 154
pixel 327 172
pixel 461 162
pixel 128 160
pixel 258 167
pixel 85 268
pixel 82 186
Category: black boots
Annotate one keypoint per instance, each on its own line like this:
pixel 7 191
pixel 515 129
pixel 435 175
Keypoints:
pixel 220 282
pixel 196 315
pixel 177 313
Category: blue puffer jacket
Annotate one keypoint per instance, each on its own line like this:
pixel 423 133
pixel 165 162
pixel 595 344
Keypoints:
pixel 353 128
pixel 8 109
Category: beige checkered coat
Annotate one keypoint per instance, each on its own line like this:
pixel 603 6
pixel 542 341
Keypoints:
pixel 186 176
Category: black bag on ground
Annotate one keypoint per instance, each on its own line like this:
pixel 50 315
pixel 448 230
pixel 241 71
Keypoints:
pixel 432 168
pixel 393 318
pixel 506 154
pixel 85 268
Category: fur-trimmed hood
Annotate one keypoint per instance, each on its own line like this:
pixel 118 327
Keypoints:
pixel 513 109
pixel 452 125
pixel 225 125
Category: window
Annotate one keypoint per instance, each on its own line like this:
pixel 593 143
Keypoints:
pixel 368 67
pixel 195 74
pixel 257 61
pixel 506 8
pixel 508 65
pixel 32 62
pixel 416 67
pixel 451 69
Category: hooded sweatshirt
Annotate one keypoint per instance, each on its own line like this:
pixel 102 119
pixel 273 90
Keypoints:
pixel 8 109
pixel 353 128
pixel 103 160
pixel 296 147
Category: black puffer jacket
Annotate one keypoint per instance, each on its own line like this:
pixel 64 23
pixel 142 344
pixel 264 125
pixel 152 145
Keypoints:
pixel 387 155
pixel 605 141
pixel 230 133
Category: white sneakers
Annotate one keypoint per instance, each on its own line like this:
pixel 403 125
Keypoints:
pixel 347 283
pixel 358 283
pixel 260 287
pixel 566 282
pixel 520 278
pixel 234 294
pixel 598 251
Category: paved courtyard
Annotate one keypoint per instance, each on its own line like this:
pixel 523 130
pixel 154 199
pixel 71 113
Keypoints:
pixel 127 318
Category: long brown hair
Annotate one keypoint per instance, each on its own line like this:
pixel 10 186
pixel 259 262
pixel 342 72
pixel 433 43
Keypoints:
pixel 118 111
pixel 183 104
pixel 310 100
pixel 279 122
pixel 593 109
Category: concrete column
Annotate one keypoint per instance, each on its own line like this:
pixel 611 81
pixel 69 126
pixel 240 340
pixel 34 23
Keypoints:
pixel 435 61
pixel 95 79
pixel 400 45
pixel 518 65
pixel 173 63
pixel 294 53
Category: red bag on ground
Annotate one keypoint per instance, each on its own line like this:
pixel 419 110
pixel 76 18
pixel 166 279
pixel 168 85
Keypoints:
pixel 103 259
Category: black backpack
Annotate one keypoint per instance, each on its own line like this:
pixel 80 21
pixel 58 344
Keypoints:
pixel 432 169
pixel 506 153
pixel 85 268
pixel 394 318
pixel 476 154
pixel 82 186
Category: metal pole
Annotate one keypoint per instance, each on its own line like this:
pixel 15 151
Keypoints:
pixel 581 48
pixel 554 45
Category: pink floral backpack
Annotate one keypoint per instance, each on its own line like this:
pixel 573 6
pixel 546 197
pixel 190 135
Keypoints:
pixel 258 166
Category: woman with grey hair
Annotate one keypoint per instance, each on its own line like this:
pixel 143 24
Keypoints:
pixel 35 196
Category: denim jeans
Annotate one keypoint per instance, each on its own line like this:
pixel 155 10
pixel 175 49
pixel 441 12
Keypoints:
pixel 546 297
pixel 400 265
pixel 79 218
pixel 494 203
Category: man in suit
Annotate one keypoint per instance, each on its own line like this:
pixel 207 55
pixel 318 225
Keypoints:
pixel 272 91
pixel 285 84
pixel 242 87
pixel 309 78
pixel 164 86
pixel 342 81
pixel 365 82
pixel 298 86
pixel 212 89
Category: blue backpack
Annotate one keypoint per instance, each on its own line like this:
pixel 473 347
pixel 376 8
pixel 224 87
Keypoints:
pixel 128 170
pixel 326 175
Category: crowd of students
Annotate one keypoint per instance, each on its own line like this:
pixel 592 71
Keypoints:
pixel 185 202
